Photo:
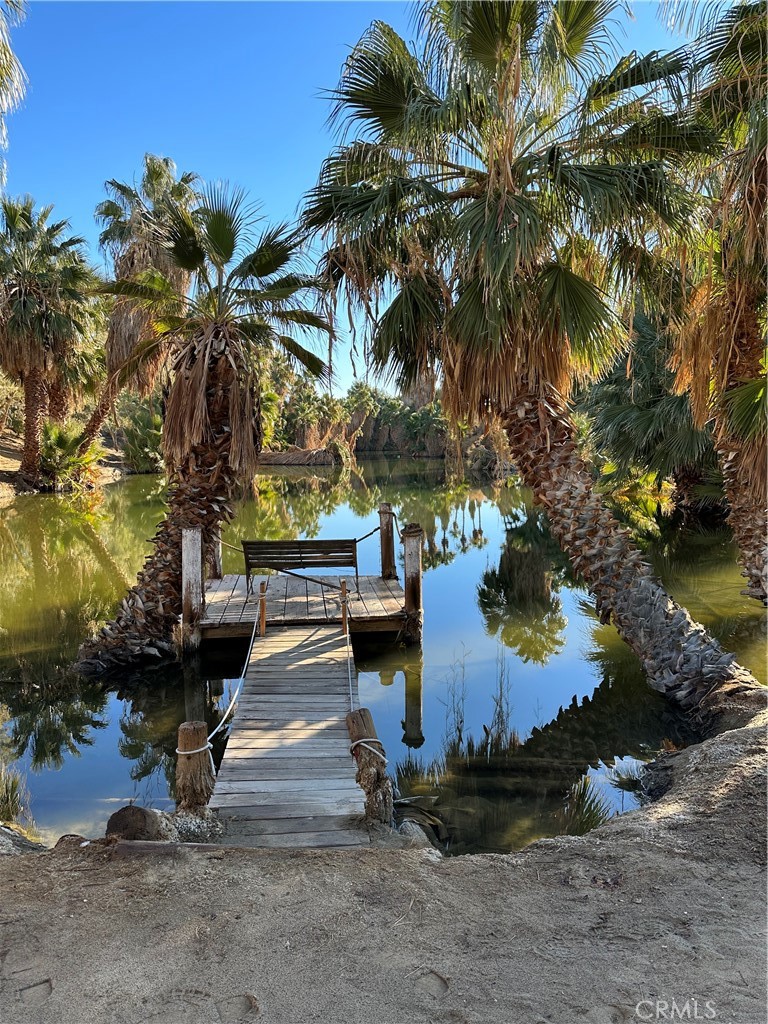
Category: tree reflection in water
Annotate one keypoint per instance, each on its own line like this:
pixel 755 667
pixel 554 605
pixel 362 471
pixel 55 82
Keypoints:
pixel 519 598
pixel 63 567
pixel 500 792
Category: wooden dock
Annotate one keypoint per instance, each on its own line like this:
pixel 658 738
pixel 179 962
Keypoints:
pixel 230 611
pixel 287 778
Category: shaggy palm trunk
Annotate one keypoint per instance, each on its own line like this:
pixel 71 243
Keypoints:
pixel 746 516
pixel 98 417
pixel 743 465
pixel 58 402
pixel 200 491
pixel 35 404
pixel 677 654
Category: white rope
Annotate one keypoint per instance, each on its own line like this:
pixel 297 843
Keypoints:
pixel 199 750
pixel 208 745
pixel 364 742
pixel 349 661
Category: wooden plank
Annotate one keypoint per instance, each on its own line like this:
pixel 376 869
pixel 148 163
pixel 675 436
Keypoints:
pixel 356 837
pixel 295 599
pixel 330 778
pixel 240 808
pixel 374 607
pixel 272 718
pixel 315 602
pixel 340 787
pixel 314 755
pixel 294 802
pixel 293 826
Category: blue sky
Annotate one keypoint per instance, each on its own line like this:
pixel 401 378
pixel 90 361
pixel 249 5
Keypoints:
pixel 230 90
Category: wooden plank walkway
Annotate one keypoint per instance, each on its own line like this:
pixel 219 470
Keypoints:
pixel 230 611
pixel 287 778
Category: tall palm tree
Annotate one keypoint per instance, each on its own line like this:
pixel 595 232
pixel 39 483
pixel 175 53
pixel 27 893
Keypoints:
pixel 722 342
pixel 499 203
pixel 12 78
pixel 44 308
pixel 242 305
pixel 135 220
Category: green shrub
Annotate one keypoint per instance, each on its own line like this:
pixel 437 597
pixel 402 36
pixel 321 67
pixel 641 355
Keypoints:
pixel 142 440
pixel 61 464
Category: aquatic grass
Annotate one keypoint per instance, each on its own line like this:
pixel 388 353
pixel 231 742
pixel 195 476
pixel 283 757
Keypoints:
pixel 584 809
pixel 14 796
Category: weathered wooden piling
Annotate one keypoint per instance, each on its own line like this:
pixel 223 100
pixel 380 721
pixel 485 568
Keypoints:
pixel 387 539
pixel 413 735
pixel 194 778
pixel 413 540
pixel 263 608
pixel 371 766
pixel 191 587
pixel 344 609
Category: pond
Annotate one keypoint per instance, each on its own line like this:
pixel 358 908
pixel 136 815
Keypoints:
pixel 522 716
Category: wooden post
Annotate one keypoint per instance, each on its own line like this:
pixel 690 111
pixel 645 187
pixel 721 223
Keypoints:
pixel 413 735
pixel 191 587
pixel 263 608
pixel 371 768
pixel 344 613
pixel 387 538
pixel 413 540
pixel 194 778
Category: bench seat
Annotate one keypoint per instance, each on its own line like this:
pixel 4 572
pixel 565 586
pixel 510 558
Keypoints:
pixel 299 554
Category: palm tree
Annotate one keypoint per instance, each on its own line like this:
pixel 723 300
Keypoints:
pixel 12 78
pixel 239 309
pixel 722 343
pixel 44 308
pixel 499 203
pixel 135 220
pixel 637 421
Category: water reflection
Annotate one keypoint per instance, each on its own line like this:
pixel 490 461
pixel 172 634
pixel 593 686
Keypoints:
pixel 498 792
pixel 498 760
pixel 518 598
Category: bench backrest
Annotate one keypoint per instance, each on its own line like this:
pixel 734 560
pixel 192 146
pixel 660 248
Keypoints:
pixel 299 554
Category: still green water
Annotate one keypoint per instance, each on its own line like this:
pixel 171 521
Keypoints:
pixel 518 695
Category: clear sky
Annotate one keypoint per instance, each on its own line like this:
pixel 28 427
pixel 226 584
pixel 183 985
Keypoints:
pixel 232 91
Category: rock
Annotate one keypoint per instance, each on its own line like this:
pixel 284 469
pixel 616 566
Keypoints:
pixel 13 842
pixel 134 822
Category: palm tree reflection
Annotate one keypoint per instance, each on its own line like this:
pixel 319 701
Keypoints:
pixel 519 598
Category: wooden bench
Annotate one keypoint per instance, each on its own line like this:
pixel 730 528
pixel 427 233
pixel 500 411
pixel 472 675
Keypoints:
pixel 299 554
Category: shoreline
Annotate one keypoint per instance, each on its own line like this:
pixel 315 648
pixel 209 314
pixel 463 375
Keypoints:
pixel 663 903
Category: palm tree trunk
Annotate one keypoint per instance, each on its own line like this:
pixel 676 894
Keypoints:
pixel 743 465
pixel 35 401
pixel 143 628
pixel 58 402
pixel 677 654
pixel 98 416
pixel 747 514
pixel 199 497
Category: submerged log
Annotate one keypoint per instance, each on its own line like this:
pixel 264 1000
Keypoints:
pixel 371 767
pixel 194 777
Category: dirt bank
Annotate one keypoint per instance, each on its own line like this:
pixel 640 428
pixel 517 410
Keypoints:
pixel 663 904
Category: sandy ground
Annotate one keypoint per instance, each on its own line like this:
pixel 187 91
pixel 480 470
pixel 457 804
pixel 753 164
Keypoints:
pixel 665 904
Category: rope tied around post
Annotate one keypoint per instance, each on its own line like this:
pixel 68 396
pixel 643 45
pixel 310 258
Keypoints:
pixel 365 742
